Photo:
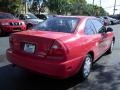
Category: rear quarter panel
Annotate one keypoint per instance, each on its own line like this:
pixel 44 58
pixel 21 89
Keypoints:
pixel 79 46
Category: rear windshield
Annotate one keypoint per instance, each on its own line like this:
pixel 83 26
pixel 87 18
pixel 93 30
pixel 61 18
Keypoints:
pixel 6 16
pixel 58 24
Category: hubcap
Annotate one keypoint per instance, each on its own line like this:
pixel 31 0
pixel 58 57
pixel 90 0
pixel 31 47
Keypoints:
pixel 87 66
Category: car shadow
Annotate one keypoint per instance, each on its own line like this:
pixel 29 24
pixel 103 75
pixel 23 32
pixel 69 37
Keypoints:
pixel 19 79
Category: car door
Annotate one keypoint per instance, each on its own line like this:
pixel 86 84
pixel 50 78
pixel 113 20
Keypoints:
pixel 97 40
pixel 104 41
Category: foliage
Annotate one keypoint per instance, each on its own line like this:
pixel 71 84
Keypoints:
pixel 74 7
pixel 34 7
pixel 12 7
pixel 63 7
pixel 95 10
pixel 78 7
pixel 57 6
pixel 37 7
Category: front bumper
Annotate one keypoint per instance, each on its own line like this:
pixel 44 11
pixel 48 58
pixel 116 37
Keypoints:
pixel 55 69
pixel 10 29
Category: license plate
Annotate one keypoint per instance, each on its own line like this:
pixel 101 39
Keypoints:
pixel 30 48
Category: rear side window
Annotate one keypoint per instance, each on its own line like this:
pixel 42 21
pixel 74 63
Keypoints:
pixel 89 28
pixel 97 24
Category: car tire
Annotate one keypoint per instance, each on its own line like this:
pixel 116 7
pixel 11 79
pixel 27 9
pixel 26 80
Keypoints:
pixel 29 26
pixel 112 23
pixel 109 51
pixel 1 32
pixel 86 67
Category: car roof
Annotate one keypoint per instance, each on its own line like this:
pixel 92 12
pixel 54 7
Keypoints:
pixel 80 17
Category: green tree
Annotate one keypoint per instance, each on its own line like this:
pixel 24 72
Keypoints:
pixel 78 7
pixel 9 6
pixel 58 6
pixel 34 8
pixel 15 6
pixel 74 7
pixel 37 7
pixel 94 10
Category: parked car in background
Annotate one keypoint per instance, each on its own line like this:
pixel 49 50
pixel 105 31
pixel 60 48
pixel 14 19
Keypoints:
pixel 106 22
pixel 111 20
pixel 30 19
pixel 44 16
pixel 62 46
pixel 9 24
pixel 116 16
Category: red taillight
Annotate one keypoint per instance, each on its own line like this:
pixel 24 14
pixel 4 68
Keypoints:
pixel 11 41
pixel 56 51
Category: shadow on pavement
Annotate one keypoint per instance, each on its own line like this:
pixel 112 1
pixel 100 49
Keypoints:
pixel 18 79
pixel 99 79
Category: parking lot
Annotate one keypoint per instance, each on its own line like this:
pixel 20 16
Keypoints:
pixel 105 74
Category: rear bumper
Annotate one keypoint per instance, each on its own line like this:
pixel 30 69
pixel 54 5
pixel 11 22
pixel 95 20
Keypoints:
pixel 55 69
pixel 10 29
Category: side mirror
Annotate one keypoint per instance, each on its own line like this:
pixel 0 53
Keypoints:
pixel 109 29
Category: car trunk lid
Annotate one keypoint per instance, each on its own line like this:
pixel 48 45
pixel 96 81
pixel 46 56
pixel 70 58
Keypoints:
pixel 34 42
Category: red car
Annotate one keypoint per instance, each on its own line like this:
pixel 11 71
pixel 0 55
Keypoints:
pixel 9 24
pixel 62 46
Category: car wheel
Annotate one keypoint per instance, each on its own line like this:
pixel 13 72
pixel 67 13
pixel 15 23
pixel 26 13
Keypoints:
pixel 86 67
pixel 1 32
pixel 112 23
pixel 109 51
pixel 29 26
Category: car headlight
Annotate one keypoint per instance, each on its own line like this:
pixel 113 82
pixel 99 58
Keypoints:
pixel 5 23
pixel 23 23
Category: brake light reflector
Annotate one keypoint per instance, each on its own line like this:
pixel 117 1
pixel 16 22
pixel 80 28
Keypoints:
pixel 11 41
pixel 56 51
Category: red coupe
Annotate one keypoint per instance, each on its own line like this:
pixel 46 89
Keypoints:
pixel 62 46
pixel 9 24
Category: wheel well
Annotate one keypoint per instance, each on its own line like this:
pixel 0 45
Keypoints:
pixel 92 54
pixel 29 24
pixel 114 39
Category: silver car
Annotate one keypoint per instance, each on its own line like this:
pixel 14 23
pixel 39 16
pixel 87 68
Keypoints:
pixel 30 19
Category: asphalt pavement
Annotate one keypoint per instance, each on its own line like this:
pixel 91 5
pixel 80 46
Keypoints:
pixel 105 73
pixel 4 44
